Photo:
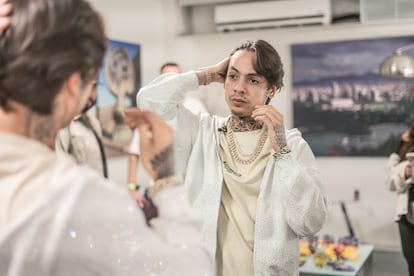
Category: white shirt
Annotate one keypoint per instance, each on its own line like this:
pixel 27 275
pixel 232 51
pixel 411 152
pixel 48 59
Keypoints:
pixel 142 177
pixel 58 218
pixel 134 144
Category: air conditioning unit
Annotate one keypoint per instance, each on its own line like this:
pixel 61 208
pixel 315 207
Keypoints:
pixel 271 14
pixel 373 10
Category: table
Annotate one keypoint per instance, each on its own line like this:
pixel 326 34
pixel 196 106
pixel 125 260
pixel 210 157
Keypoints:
pixel 364 264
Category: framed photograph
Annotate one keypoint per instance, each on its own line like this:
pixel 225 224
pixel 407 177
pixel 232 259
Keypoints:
pixel 342 105
pixel 118 84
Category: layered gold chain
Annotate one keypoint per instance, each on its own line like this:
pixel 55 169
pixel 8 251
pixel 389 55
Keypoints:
pixel 235 147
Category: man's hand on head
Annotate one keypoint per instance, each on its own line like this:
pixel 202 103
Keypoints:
pixel 214 73
pixel 219 70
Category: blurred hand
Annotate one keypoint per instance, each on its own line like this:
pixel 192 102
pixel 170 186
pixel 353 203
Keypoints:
pixel 5 10
pixel 156 142
pixel 139 199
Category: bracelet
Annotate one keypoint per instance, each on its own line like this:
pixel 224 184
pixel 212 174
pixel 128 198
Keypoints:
pixel 284 150
pixel 162 183
pixel 132 186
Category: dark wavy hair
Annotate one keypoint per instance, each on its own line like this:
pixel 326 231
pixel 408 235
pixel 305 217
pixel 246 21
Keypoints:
pixel 47 41
pixel 267 61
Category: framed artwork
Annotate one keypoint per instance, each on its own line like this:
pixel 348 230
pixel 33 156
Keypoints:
pixel 118 84
pixel 342 105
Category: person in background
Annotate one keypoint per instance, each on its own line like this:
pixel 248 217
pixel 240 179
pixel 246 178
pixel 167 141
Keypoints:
pixel 400 180
pixel 83 138
pixel 60 218
pixel 255 182
pixel 171 67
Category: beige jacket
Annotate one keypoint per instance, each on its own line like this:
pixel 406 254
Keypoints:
pixel 80 142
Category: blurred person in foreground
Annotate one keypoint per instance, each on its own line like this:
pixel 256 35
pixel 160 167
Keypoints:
pixel 255 182
pixel 60 218
pixel 400 180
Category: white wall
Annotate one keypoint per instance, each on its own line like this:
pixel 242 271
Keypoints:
pixel 146 21
pixel 151 23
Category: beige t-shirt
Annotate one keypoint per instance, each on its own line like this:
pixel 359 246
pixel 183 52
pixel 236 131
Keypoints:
pixel 237 214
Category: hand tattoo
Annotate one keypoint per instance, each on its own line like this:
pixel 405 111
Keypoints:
pixel 163 163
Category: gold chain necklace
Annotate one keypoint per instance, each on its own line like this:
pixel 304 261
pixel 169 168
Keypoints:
pixel 235 147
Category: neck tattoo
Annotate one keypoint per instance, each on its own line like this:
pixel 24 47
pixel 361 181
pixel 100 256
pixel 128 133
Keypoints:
pixel 241 124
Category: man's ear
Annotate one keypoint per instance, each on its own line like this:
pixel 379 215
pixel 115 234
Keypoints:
pixel 72 85
pixel 272 91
